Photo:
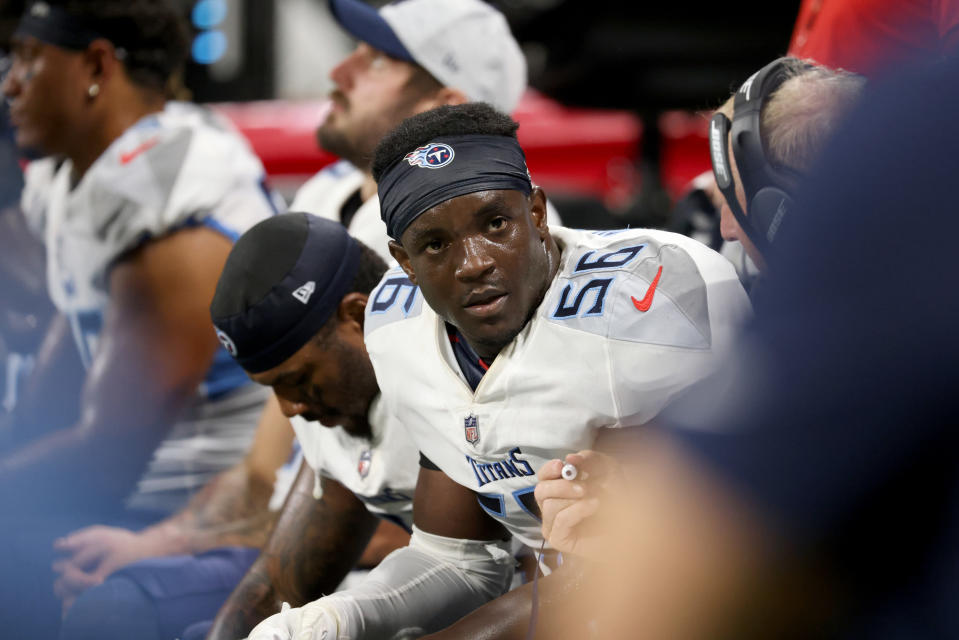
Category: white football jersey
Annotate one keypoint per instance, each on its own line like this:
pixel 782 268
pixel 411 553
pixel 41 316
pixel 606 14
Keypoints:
pixel 381 472
pixel 632 318
pixel 174 169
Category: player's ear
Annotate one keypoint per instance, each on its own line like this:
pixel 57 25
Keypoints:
pixel 399 254
pixel 351 310
pixel 100 59
pixel 537 211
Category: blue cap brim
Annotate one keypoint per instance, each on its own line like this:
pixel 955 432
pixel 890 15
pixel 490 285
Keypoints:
pixel 366 24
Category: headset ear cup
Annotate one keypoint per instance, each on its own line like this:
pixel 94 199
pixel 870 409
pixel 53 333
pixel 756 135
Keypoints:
pixel 768 211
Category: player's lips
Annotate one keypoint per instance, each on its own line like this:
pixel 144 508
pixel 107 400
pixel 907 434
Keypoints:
pixel 485 302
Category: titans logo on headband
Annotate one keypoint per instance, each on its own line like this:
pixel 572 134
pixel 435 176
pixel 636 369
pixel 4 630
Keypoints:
pixel 431 156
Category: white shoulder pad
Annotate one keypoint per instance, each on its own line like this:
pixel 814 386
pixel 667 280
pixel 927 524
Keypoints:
pixel 635 285
pixel 395 298
pixel 181 166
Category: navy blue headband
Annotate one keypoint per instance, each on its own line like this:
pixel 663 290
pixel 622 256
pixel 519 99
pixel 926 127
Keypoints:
pixel 56 26
pixel 262 325
pixel 448 167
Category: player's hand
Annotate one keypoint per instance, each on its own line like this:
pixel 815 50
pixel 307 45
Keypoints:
pixel 569 506
pixel 92 554
pixel 312 621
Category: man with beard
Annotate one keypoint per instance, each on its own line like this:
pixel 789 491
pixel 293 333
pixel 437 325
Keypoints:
pixel 412 56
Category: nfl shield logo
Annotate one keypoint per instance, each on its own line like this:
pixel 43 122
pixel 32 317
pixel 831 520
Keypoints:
pixel 364 465
pixel 472 429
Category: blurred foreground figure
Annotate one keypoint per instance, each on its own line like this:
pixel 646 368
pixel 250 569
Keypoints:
pixel 829 507
pixel 138 204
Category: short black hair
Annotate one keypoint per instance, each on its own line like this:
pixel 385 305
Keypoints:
pixel 152 33
pixel 473 118
pixel 369 272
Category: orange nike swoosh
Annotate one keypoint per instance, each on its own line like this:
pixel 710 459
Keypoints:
pixel 647 301
pixel 127 157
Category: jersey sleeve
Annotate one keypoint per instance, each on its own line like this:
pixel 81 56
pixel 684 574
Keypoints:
pixel 674 318
pixel 156 180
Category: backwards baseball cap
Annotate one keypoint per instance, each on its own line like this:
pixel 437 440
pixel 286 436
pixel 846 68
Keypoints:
pixel 284 278
pixel 464 44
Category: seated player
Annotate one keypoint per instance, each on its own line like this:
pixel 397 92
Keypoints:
pixel 137 204
pixel 498 343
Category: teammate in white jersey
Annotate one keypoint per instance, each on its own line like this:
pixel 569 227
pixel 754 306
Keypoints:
pixel 500 345
pixel 138 205
pixel 412 56
pixel 290 307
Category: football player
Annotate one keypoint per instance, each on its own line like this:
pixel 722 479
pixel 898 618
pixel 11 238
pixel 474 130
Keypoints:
pixel 499 342
pixel 290 304
pixel 138 203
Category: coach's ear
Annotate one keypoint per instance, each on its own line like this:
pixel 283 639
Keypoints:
pixel 399 254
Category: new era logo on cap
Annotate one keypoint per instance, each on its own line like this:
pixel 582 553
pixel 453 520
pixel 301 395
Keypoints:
pixel 431 156
pixel 304 292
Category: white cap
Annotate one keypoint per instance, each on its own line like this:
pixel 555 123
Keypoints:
pixel 464 44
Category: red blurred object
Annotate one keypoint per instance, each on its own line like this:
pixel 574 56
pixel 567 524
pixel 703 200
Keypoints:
pixel 685 150
pixel 578 151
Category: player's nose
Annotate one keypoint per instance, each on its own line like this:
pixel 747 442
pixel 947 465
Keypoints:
pixel 342 74
pixel 473 260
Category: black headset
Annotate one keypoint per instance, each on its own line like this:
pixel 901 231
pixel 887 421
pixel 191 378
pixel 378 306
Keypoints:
pixel 768 187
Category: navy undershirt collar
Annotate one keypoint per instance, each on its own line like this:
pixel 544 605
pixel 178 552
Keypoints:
pixel 472 366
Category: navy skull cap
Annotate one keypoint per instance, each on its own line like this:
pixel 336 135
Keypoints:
pixel 283 280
